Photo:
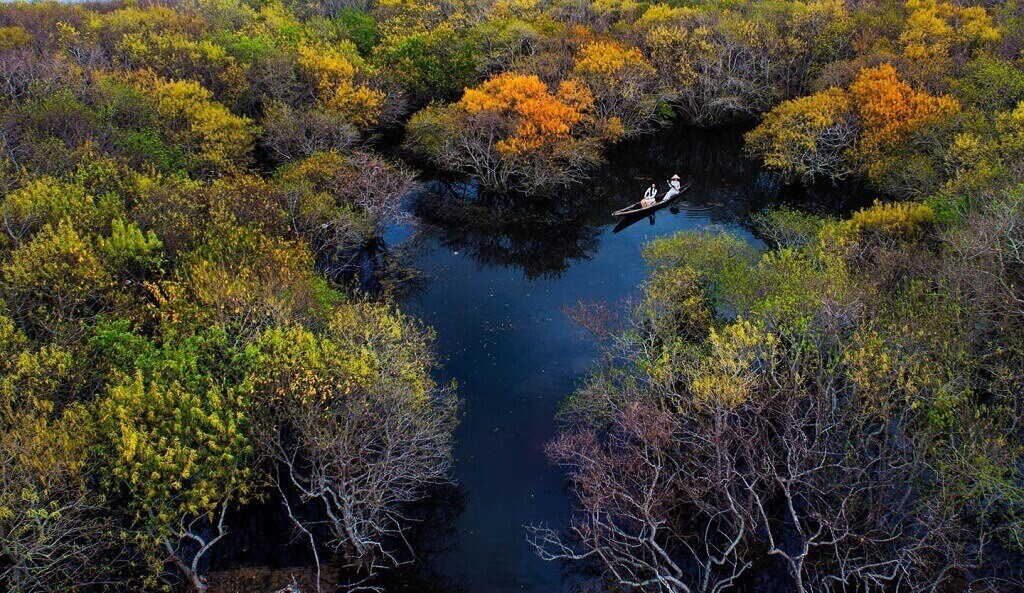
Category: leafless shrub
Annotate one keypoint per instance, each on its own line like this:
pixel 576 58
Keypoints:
pixel 55 534
pixel 289 135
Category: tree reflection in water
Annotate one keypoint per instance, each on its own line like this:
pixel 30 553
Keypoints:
pixel 497 310
pixel 543 235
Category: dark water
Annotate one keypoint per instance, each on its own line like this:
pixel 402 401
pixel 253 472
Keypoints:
pixel 496 273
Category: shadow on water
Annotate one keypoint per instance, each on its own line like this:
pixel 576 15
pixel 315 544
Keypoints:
pixel 544 236
pixel 492 275
pixel 496 272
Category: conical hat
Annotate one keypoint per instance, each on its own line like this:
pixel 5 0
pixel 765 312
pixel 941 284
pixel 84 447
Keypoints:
pixel 675 177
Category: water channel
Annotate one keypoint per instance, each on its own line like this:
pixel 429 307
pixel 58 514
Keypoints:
pixel 494 276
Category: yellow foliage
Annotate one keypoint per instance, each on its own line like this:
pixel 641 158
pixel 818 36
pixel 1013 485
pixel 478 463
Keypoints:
pixel 220 140
pixel 328 68
pixel 614 6
pixel 726 375
pixel 366 346
pixel 660 14
pixel 12 37
pixel 805 137
pixel 868 364
pixel 335 78
pixel 934 27
pixel 888 221
pixel 149 18
pixel 180 454
pixel 607 58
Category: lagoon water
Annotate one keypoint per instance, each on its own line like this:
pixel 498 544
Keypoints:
pixel 495 274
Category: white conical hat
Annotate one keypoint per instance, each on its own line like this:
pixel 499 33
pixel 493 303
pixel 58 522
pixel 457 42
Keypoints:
pixel 675 177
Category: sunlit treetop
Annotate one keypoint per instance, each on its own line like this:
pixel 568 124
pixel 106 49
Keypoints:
pixel 607 58
pixel 887 105
pixel 542 116
pixel 933 28
pixel 334 71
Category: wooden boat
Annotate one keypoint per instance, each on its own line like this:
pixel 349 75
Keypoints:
pixel 635 208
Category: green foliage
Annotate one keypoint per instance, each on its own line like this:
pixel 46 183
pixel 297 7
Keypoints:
pixel 991 84
pixel 857 317
pixel 788 227
pixel 246 282
pixel 360 28
pixel 433 65
pixel 174 454
pixel 130 252
pixel 720 260
pixel 47 201
pixel 217 140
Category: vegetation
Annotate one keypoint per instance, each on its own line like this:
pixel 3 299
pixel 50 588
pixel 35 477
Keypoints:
pixel 187 186
pixel 843 406
pixel 183 187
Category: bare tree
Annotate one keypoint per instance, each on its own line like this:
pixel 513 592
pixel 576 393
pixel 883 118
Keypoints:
pixel 348 457
pixel 189 543
pixel 644 516
pixel 55 534
pixel 290 134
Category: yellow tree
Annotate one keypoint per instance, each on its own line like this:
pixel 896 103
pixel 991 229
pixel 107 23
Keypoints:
pixel 938 31
pixel 335 78
pixel 807 137
pixel 217 139
pixel 624 84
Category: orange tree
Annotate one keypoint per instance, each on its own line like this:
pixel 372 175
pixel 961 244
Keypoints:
pixel 513 132
pixel 869 128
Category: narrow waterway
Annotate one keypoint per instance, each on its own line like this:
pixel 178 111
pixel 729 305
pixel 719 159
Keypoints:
pixel 495 276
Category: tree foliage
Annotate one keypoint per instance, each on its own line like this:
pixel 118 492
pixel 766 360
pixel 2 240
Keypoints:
pixel 188 188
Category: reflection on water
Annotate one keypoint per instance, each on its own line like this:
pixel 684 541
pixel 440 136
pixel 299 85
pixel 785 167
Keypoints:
pixel 544 236
pixel 497 272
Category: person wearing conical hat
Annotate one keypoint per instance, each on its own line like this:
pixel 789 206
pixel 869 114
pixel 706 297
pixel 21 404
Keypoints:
pixel 674 187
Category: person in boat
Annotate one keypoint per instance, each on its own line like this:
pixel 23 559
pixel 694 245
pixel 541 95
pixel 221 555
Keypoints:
pixel 674 187
pixel 650 196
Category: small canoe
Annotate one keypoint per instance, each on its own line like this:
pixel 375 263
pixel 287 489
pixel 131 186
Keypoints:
pixel 636 208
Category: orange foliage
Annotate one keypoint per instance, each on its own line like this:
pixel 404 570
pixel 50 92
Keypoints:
pixel 887 106
pixel 541 117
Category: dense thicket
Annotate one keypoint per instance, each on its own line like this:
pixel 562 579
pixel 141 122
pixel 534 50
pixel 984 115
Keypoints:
pixel 184 183
pixel 182 186
pixel 844 407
